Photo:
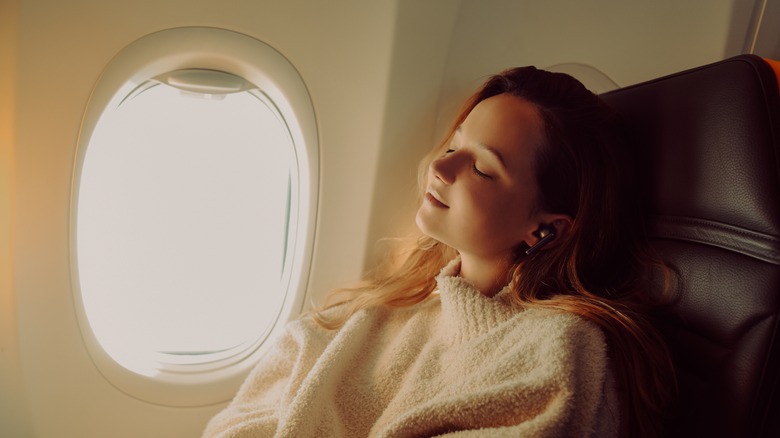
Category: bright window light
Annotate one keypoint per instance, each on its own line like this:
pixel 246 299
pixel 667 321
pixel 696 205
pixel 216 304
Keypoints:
pixel 183 221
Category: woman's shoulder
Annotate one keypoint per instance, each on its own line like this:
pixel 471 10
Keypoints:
pixel 559 329
pixel 548 315
pixel 305 329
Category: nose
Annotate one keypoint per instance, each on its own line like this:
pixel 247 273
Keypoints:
pixel 443 168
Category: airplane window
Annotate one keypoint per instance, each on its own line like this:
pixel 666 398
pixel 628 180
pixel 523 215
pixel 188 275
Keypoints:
pixel 183 220
pixel 193 210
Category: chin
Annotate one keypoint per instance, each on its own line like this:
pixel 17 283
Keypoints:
pixel 424 224
pixel 418 220
pixel 428 231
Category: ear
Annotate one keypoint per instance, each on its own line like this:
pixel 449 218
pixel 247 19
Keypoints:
pixel 560 224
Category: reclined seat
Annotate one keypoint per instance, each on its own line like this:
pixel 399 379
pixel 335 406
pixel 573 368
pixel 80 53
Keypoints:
pixel 708 144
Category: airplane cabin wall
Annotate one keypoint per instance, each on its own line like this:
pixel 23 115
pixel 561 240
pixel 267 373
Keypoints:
pixel 385 78
pixel 13 409
pixel 342 50
pixel 630 42
pixel 765 22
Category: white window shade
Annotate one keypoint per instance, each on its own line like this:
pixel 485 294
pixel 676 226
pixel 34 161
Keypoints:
pixel 182 224
pixel 193 212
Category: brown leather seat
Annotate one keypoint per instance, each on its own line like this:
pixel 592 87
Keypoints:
pixel 708 141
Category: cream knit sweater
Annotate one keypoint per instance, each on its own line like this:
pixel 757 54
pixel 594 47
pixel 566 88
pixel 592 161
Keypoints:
pixel 458 365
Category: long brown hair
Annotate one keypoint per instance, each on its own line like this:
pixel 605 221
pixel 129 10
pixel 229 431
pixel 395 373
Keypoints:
pixel 600 270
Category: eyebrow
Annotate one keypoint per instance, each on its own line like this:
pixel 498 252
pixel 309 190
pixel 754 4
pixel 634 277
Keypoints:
pixel 488 148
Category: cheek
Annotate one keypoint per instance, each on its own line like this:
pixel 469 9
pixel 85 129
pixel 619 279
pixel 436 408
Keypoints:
pixel 490 215
pixel 506 217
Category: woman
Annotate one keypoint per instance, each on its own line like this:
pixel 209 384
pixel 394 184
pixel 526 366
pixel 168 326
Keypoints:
pixel 520 311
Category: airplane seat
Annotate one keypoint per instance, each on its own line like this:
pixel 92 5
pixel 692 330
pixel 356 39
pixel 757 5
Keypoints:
pixel 707 142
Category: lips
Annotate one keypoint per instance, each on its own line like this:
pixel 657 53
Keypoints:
pixel 435 199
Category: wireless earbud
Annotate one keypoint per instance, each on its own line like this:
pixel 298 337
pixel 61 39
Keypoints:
pixel 546 234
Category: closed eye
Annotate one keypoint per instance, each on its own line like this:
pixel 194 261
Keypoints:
pixel 474 167
pixel 480 173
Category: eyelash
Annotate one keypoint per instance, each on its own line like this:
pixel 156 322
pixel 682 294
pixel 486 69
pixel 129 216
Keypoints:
pixel 474 168
pixel 479 173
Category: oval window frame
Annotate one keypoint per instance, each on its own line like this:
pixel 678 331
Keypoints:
pixel 255 61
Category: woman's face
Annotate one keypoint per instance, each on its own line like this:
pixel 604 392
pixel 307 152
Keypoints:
pixel 481 192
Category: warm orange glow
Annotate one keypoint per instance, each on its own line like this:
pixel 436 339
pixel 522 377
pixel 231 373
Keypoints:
pixel 776 67
pixel 8 13
pixel 12 402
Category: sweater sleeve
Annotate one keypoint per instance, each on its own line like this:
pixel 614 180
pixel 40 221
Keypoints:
pixel 256 408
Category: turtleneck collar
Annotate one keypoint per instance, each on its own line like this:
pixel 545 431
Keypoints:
pixel 466 311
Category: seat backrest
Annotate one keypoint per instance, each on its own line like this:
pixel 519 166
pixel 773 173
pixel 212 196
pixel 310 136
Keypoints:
pixel 707 141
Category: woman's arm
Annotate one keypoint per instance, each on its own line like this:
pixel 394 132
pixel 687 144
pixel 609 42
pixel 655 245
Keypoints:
pixel 261 401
